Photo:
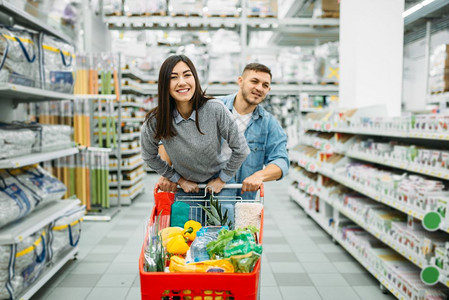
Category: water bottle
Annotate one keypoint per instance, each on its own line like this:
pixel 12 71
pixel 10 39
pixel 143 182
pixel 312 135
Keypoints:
pixel 204 236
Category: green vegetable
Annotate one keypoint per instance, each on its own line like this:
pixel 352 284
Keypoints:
pixel 215 217
pixel 233 242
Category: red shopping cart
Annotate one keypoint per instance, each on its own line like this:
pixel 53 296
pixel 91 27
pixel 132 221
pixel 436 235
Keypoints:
pixel 201 286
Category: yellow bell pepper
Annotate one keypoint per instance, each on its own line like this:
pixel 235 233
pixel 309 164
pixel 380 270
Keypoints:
pixel 168 233
pixel 178 264
pixel 177 245
pixel 190 229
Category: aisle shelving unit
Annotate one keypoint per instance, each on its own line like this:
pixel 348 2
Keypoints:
pixel 330 171
pixel 34 158
pixel 11 95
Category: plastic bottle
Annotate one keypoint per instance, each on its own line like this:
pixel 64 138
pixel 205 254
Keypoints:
pixel 205 235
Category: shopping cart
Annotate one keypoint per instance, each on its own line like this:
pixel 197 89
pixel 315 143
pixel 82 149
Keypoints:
pixel 201 286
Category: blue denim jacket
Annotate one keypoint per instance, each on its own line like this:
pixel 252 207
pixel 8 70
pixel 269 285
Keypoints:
pixel 267 142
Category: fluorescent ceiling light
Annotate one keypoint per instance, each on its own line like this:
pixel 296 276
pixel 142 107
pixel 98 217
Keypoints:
pixel 415 8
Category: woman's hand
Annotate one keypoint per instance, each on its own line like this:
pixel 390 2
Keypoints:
pixel 166 185
pixel 216 185
pixel 188 186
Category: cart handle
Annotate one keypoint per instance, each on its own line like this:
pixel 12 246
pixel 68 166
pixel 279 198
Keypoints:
pixel 226 186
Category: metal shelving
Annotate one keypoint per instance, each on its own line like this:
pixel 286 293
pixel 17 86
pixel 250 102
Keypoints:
pixel 50 270
pixel 129 167
pixel 128 182
pixel 25 19
pixel 33 158
pixel 42 216
pixel 211 23
pixel 19 93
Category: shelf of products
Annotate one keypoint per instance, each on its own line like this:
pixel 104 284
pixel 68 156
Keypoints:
pixel 95 97
pixel 128 182
pixel 29 94
pixel 50 270
pixel 301 199
pixel 25 160
pixel 25 19
pixel 129 167
pixel 16 232
pixel 434 172
pixel 209 23
pixel 127 194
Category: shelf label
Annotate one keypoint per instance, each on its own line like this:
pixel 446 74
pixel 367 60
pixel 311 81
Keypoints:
pixel 430 275
pixel 432 221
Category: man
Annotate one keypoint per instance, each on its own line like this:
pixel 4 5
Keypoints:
pixel 265 137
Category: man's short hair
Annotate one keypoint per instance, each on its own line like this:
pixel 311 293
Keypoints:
pixel 258 68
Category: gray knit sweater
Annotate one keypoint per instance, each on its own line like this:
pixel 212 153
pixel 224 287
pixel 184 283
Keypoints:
pixel 194 156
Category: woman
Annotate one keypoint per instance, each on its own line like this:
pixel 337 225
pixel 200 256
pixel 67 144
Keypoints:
pixel 191 127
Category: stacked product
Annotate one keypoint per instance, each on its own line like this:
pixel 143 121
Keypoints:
pixel 185 7
pixel 224 54
pixel 146 8
pixel 199 57
pixel 19 138
pixel 439 69
pixel 111 7
pixel 222 7
pixel 21 264
pixel 262 8
pixel 58 64
pixel 328 55
pixel 22 190
pixel 20 57
pixel 399 273
pixel 65 232
pixel 326 9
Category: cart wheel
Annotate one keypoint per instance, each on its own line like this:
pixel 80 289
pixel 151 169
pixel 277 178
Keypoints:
pixel 383 289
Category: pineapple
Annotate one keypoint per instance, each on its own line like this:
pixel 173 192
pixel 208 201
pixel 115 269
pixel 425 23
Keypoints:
pixel 214 214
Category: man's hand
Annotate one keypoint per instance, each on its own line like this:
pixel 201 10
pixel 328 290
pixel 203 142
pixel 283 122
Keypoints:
pixel 252 183
pixel 216 185
pixel 188 186
pixel 166 185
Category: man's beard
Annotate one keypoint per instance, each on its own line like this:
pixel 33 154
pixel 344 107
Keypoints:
pixel 246 97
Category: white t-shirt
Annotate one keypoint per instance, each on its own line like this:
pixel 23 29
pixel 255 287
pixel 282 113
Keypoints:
pixel 242 123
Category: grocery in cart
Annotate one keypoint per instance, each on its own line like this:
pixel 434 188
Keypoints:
pixel 202 246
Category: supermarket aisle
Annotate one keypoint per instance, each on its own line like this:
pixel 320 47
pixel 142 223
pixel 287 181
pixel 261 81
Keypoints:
pixel 299 260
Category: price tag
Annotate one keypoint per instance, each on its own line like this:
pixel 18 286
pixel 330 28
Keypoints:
pixel 431 221
pixel 430 275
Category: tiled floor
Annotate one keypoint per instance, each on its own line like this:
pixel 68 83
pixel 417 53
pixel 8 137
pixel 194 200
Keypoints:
pixel 299 261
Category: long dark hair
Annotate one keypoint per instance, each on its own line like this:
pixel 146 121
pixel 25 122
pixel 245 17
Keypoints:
pixel 166 104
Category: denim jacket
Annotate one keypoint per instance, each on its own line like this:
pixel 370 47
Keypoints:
pixel 267 142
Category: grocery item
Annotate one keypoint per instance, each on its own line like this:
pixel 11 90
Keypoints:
pixel 178 264
pixel 191 227
pixel 247 214
pixel 58 64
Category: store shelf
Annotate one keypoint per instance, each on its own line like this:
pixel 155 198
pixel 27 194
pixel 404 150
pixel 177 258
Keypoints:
pixel 134 119
pixel 438 98
pixel 311 109
pixel 408 254
pixel 130 136
pixel 128 168
pixel 136 75
pixel 128 182
pixel 133 90
pixel 434 172
pixel 210 23
pixel 16 232
pixel 385 282
pixel 33 158
pixel 21 93
pixel 374 195
pixel 101 214
pixel 327 127
pixel 132 104
pixel 25 19
pixel 276 89
pixel 95 97
pixel 51 269
pixel 126 199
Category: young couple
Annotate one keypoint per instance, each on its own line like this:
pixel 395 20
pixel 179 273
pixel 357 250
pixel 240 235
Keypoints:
pixel 190 138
